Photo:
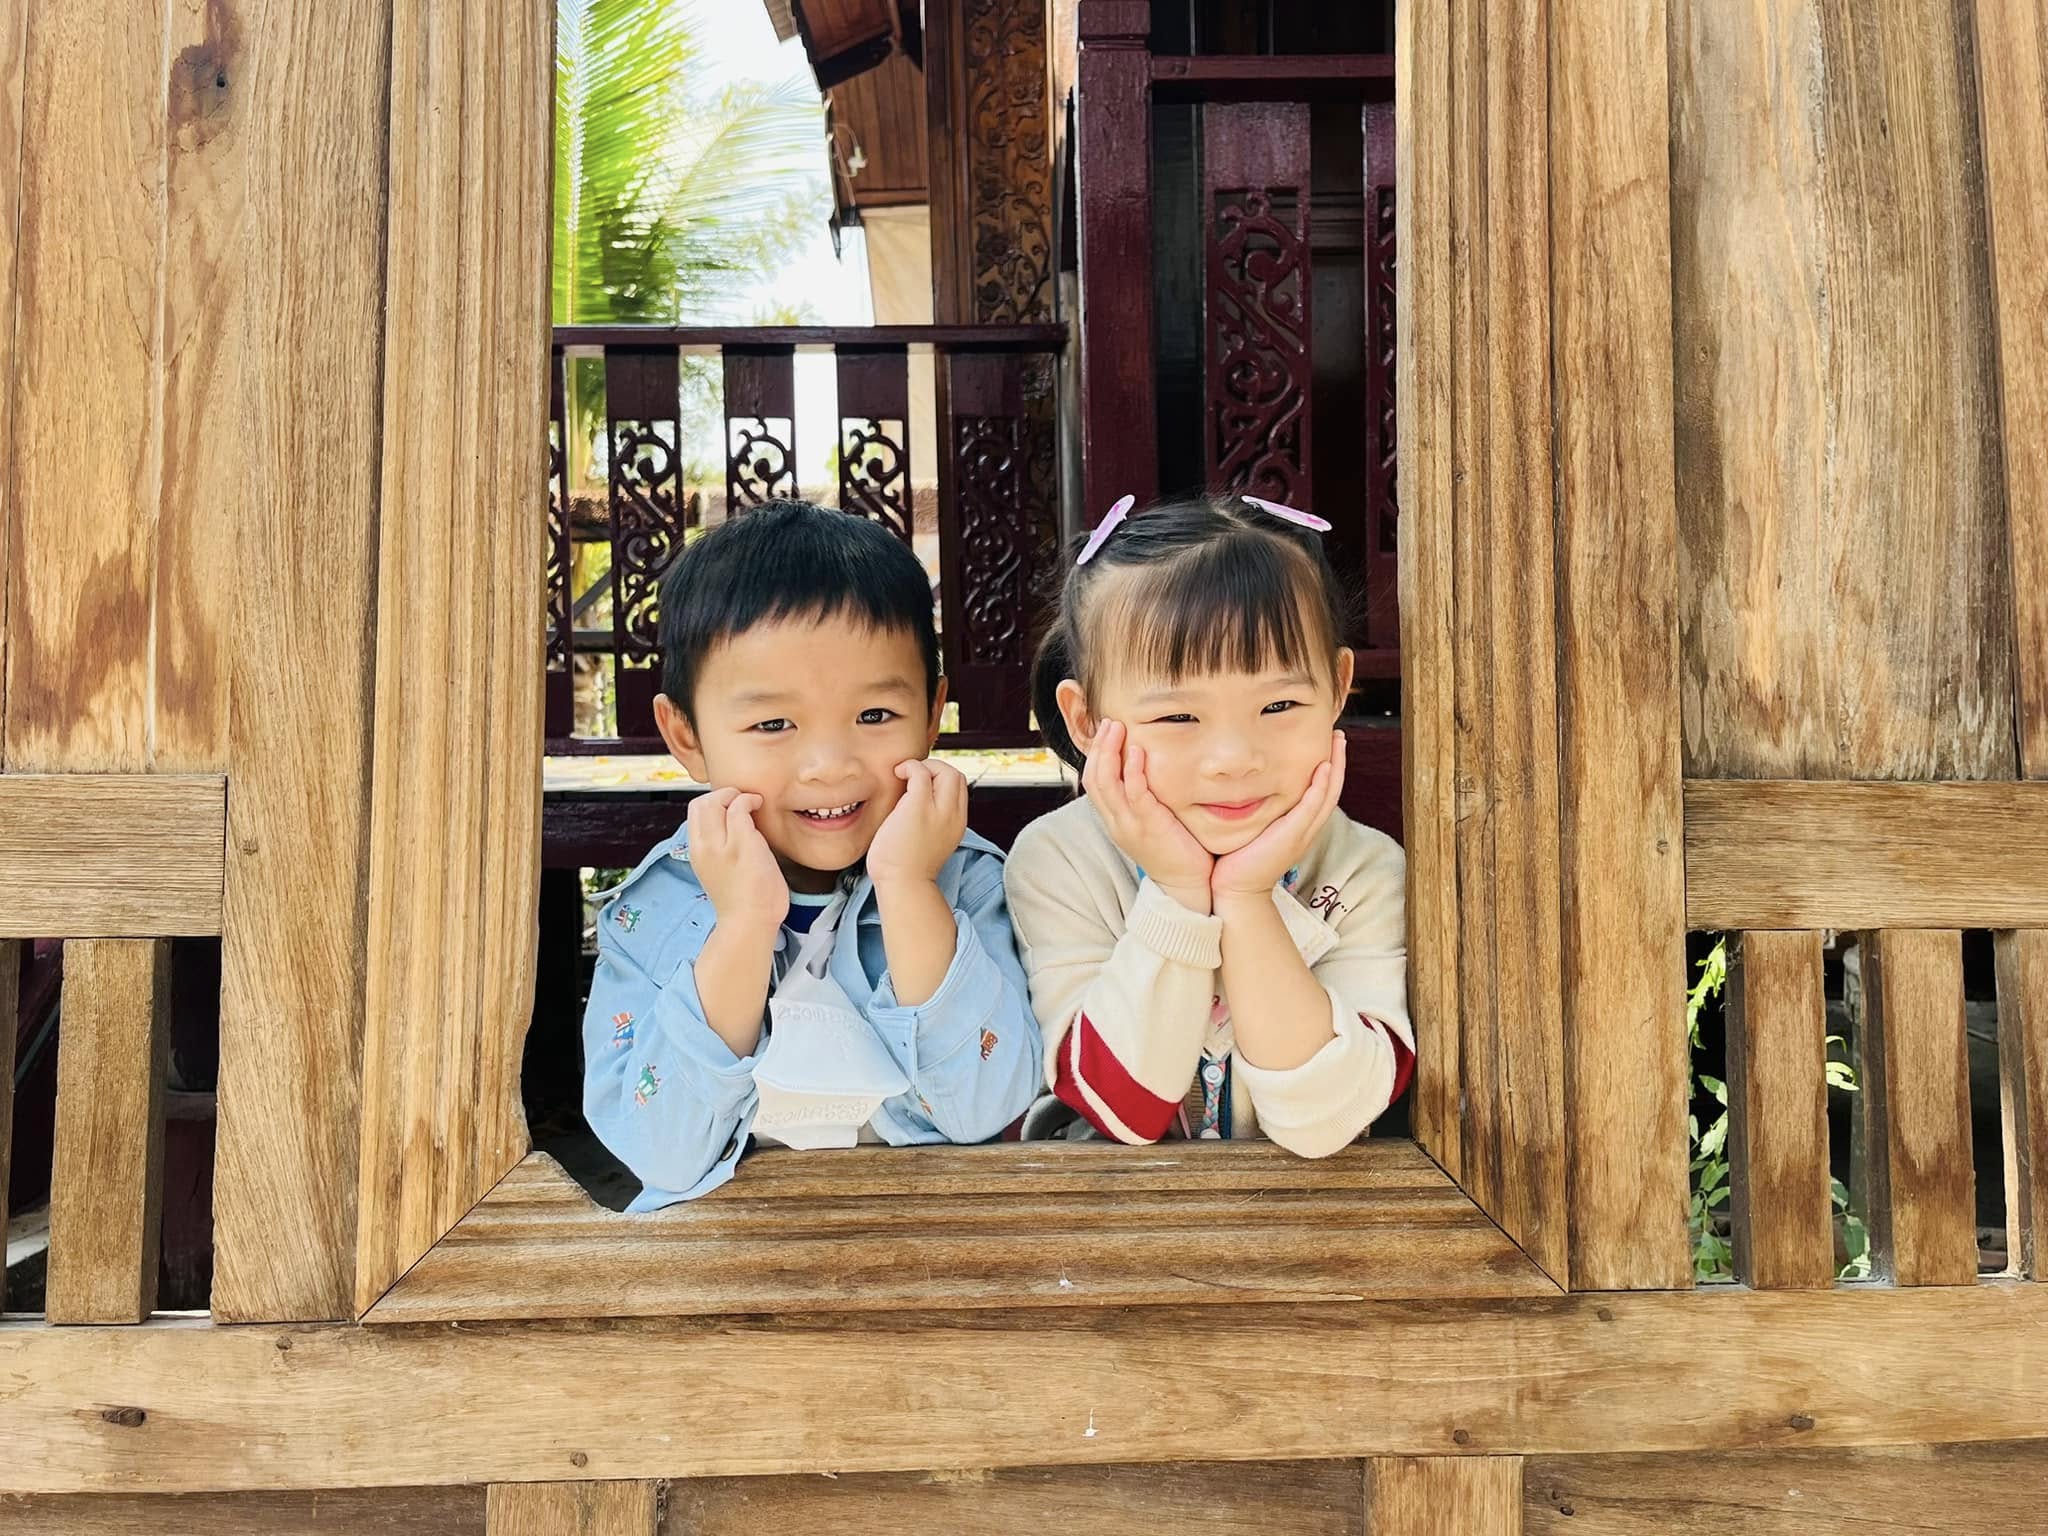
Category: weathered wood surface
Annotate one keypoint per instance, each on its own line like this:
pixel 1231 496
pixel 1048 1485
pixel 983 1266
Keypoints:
pixel 1300 1498
pixel 323 1406
pixel 1778 1112
pixel 1622 870
pixel 2012 84
pixel 1942 1490
pixel 1424 279
pixel 454 866
pixel 571 1509
pixel 1840 496
pixel 1427 1495
pixel 878 1229
pixel 13 62
pixel 2023 1092
pixel 126 855
pixel 107 1166
pixel 302 406
pixel 10 978
pixel 1915 1096
pixel 1784 854
pixel 327 1512
pixel 1511 1051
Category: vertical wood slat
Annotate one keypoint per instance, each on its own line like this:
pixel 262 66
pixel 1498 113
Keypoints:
pixel 1844 608
pixel 1504 637
pixel 107 1163
pixel 760 425
pixel 1382 363
pixel 454 836
pixel 570 1509
pixel 1258 320
pixel 1423 280
pixel 2023 1092
pixel 1619 768
pixel 305 418
pixel 1427 1495
pixel 2012 84
pixel 874 435
pixel 11 951
pixel 648 514
pixel 1113 169
pixel 1916 1095
pixel 13 68
pixel 1778 1112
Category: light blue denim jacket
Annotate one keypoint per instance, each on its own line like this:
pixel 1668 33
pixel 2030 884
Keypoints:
pixel 672 1101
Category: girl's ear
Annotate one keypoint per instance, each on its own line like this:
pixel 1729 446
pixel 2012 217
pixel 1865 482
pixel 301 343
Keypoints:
pixel 680 737
pixel 938 715
pixel 1081 722
pixel 1346 664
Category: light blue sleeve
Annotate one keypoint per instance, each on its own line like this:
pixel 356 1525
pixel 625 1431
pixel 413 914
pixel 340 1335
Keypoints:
pixel 660 1089
pixel 972 1048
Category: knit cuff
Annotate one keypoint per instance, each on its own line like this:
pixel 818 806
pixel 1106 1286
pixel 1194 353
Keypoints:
pixel 1174 932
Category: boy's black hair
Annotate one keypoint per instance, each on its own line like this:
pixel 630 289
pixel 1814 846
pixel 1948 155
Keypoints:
pixel 1203 584
pixel 789 559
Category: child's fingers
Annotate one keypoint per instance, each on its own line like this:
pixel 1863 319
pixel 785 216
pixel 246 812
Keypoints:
pixel 1338 756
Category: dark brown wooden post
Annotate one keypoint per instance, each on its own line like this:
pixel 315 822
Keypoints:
pixel 1113 182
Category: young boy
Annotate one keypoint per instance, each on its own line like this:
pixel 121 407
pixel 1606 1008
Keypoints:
pixel 801 682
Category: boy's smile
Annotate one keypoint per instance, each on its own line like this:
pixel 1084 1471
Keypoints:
pixel 813 715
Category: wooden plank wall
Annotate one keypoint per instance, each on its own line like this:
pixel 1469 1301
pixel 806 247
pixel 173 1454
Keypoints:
pixel 1841 498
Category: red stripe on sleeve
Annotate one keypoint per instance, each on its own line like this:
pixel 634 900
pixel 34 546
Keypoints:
pixel 1144 1114
pixel 1404 1059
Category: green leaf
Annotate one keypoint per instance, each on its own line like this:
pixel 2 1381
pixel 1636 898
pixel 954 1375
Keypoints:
pixel 1716 1087
pixel 1716 1137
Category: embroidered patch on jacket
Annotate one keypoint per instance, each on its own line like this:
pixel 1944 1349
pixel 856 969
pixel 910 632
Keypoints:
pixel 988 1043
pixel 1325 900
pixel 648 1086
pixel 622 1031
pixel 628 918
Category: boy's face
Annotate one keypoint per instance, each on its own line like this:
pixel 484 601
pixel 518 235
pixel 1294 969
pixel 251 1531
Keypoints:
pixel 812 715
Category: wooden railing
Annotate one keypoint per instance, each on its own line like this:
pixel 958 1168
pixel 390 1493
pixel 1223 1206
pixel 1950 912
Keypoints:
pixel 989 527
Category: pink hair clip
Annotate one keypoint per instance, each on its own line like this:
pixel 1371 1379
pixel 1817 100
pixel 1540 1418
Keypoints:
pixel 1288 514
pixel 1105 528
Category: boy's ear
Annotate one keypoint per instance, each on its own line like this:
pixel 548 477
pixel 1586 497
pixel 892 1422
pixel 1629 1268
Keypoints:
pixel 938 715
pixel 1081 723
pixel 1347 665
pixel 680 737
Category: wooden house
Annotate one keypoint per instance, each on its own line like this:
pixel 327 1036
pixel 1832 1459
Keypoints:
pixel 1710 340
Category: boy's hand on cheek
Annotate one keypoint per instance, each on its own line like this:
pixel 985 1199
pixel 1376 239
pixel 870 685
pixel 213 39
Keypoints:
pixel 1263 862
pixel 924 828
pixel 734 863
pixel 1140 824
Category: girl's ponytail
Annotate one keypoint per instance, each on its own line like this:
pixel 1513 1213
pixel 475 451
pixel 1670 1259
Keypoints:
pixel 1053 665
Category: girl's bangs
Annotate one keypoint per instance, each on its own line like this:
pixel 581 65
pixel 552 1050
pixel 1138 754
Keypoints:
pixel 1247 605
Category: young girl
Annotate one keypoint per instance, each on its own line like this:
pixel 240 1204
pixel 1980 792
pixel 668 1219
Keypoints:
pixel 1214 950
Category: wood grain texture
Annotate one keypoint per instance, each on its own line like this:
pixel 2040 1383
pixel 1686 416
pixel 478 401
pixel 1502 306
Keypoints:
pixel 1424 279
pixel 327 1512
pixel 13 62
pixel 2012 84
pixel 454 866
pixel 1841 506
pixel 10 982
pixel 1941 1490
pixel 83 471
pixel 1001 1226
pixel 1511 1051
pixel 110 855
pixel 107 1164
pixel 1915 1095
pixel 1249 1498
pixel 1426 1495
pixel 570 1509
pixel 299 739
pixel 2023 1092
pixel 334 1406
pixel 1780 1203
pixel 1786 854
pixel 1623 876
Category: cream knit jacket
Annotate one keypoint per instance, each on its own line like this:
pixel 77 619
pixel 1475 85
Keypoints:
pixel 1137 972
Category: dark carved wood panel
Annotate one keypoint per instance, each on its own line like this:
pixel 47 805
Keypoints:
pixel 647 516
pixel 874 435
pixel 1009 160
pixel 760 426
pixel 561 697
pixel 1383 614
pixel 1255 179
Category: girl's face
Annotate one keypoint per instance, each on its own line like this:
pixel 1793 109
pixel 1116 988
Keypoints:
pixel 1229 753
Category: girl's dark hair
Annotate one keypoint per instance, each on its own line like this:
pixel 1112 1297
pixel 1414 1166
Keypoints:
pixel 1205 584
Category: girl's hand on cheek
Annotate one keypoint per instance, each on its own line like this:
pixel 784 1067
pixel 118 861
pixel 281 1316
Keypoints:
pixel 1142 827
pixel 733 861
pixel 1263 862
